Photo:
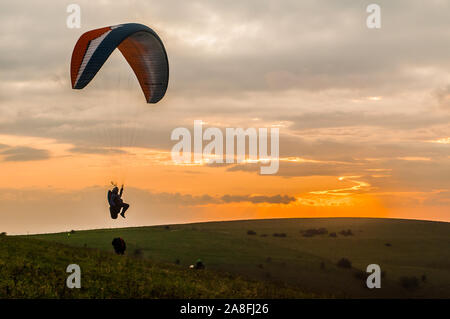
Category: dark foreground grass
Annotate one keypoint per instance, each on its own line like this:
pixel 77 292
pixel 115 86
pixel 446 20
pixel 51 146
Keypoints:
pixel 31 268
pixel 402 248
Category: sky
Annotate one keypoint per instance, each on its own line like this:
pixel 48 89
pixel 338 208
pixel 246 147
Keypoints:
pixel 363 114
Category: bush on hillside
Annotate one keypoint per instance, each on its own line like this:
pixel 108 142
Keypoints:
pixel 344 263
pixel 138 253
pixel 409 283
pixel 279 235
pixel 347 232
pixel 314 232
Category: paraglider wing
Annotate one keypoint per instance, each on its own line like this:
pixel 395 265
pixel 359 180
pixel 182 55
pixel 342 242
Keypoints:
pixel 141 47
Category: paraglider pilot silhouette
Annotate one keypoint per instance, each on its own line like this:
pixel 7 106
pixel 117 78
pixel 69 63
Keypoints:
pixel 116 203
pixel 145 53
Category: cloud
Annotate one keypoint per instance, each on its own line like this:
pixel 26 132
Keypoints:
pixel 443 97
pixel 192 200
pixel 23 154
pixel 86 208
pixel 314 120
pixel 96 150
pixel 309 67
pixel 299 169
pixel 258 199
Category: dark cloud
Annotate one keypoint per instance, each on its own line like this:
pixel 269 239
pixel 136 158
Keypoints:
pixel 443 97
pixel 87 208
pixel 95 150
pixel 23 154
pixel 254 199
pixel 332 49
pixel 191 200
pixel 302 62
pixel 381 119
pixel 291 169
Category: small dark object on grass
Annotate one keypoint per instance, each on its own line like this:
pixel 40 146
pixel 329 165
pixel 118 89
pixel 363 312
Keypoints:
pixel 344 263
pixel 279 235
pixel 388 245
pixel 409 283
pixel 361 275
pixel 347 232
pixel 119 245
pixel 333 234
pixel 137 253
pixel 260 266
pixel 322 265
pixel 199 264
pixel 268 259
pixel 251 232
pixel 263 235
pixel 72 231
pixel 167 227
pixel 177 261
pixel 424 278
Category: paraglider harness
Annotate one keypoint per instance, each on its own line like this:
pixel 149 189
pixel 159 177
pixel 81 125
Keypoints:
pixel 119 245
pixel 114 205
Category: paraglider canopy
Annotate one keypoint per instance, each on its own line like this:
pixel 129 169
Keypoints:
pixel 141 47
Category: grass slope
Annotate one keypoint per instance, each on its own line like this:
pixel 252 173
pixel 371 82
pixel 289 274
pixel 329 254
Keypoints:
pixel 403 248
pixel 31 268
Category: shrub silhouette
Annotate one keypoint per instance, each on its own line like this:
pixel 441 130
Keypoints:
pixel 361 275
pixel 137 253
pixel 388 245
pixel 347 232
pixel 279 235
pixel 333 234
pixel 344 263
pixel 409 283
pixel 314 231
pixel 251 232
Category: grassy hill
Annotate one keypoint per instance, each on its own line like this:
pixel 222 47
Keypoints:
pixel 31 268
pixel 413 255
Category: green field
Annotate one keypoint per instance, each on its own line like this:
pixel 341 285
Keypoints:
pixel 404 249
pixel 31 268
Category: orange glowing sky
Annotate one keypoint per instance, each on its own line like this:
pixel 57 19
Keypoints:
pixel 364 132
